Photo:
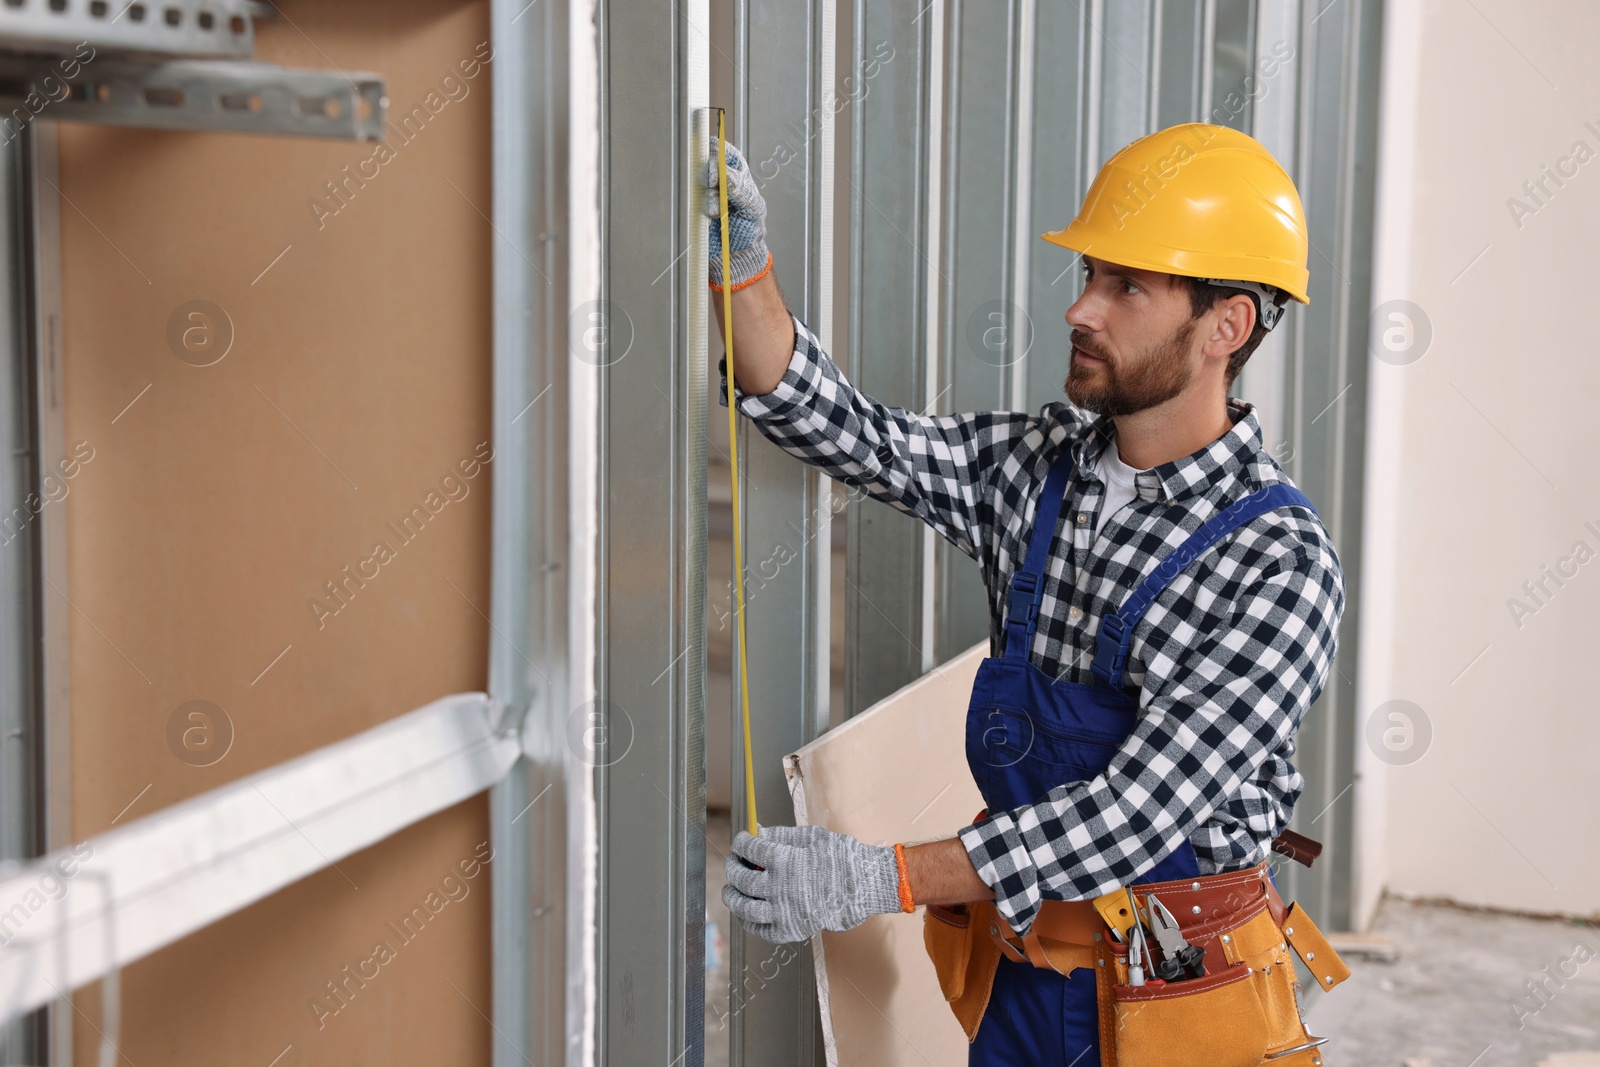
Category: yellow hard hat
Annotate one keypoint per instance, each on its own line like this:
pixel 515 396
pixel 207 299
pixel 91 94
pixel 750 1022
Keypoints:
pixel 1198 200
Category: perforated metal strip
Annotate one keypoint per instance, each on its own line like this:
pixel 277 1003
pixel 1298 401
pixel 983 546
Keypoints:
pixel 81 912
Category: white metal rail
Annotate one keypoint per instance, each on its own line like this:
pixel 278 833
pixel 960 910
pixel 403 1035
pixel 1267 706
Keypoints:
pixel 79 913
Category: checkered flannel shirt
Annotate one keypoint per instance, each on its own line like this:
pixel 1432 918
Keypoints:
pixel 1226 660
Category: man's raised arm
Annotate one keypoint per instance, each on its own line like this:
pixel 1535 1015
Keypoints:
pixel 931 466
pixel 763 334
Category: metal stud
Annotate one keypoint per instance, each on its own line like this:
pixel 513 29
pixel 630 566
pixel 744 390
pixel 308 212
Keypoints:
pixel 1097 937
pixel 1195 886
pixel 1226 940
pixel 1195 909
pixel 1289 931
pixel 1329 979
pixel 1102 962
pixel 1310 956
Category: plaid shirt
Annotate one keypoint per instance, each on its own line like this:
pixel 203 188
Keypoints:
pixel 1227 659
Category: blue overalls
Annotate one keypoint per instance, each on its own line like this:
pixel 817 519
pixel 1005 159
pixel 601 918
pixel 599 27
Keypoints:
pixel 1028 733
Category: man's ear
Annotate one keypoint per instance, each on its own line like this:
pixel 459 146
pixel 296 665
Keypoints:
pixel 1234 326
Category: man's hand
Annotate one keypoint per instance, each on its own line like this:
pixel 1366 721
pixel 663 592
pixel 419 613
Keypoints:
pixel 813 879
pixel 747 218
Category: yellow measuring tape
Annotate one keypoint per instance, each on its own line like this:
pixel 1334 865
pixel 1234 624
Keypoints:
pixel 733 451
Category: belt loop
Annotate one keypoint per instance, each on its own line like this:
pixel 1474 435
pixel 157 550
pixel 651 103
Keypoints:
pixel 1035 951
pixel 1274 901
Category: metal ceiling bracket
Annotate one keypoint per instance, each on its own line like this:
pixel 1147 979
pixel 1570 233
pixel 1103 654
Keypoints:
pixel 172 65
pixel 213 95
pixel 169 29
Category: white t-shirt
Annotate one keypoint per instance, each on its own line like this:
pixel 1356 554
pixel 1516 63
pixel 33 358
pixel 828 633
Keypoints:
pixel 1118 478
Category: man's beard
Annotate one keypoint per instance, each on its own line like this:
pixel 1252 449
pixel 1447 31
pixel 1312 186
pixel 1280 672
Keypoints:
pixel 1113 389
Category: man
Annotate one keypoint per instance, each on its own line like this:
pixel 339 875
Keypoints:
pixel 1155 546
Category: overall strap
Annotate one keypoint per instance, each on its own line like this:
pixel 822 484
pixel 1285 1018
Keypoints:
pixel 1115 636
pixel 1027 583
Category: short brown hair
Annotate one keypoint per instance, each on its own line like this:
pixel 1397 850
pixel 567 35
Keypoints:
pixel 1203 296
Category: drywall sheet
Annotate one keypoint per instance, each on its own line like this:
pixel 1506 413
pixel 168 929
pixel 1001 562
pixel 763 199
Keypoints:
pixel 896 772
pixel 277 360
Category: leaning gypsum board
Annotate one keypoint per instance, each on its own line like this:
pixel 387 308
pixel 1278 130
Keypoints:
pixel 878 996
pixel 142 886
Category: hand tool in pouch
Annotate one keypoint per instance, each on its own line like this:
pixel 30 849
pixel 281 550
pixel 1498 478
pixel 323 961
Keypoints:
pixel 1114 909
pixel 1138 948
pixel 1179 959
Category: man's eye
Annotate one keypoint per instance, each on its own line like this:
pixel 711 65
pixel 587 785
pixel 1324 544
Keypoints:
pixel 1129 285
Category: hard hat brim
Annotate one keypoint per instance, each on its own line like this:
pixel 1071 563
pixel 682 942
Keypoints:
pixel 1127 253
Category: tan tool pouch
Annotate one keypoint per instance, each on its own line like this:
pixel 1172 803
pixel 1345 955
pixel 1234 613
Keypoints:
pixel 964 956
pixel 1202 1020
pixel 1245 1011
pixel 965 943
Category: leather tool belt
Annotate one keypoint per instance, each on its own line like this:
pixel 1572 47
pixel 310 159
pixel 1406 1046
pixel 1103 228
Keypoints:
pixel 1245 1010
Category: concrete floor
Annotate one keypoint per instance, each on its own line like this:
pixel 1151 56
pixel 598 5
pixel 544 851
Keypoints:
pixel 1458 994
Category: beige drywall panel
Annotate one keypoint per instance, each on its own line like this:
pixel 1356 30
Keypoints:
pixel 896 772
pixel 219 501
pixel 1496 587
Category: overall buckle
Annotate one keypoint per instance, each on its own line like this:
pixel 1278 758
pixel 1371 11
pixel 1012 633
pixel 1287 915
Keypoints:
pixel 1111 650
pixel 1022 608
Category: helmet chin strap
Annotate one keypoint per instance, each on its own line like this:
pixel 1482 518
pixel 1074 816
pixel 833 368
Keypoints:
pixel 1267 312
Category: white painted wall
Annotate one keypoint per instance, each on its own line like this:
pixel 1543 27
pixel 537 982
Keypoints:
pixel 1483 461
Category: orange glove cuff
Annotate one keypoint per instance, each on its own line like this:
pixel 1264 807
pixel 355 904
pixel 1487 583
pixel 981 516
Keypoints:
pixel 749 281
pixel 906 903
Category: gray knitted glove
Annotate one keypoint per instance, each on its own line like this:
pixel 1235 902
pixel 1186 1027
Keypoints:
pixel 814 879
pixel 747 218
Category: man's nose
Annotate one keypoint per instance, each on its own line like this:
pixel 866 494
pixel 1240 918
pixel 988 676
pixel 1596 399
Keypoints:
pixel 1083 316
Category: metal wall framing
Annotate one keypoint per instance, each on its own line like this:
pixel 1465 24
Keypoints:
pixel 53 712
pixel 893 267
pixel 785 94
pixel 649 361
pixel 985 334
pixel 21 725
pixel 600 530
pixel 1323 396
pixel 599 585
pixel 540 813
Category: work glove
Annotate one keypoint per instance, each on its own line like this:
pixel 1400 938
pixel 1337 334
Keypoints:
pixel 812 879
pixel 747 218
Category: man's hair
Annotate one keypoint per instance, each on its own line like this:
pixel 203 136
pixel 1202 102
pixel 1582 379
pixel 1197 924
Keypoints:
pixel 1203 296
